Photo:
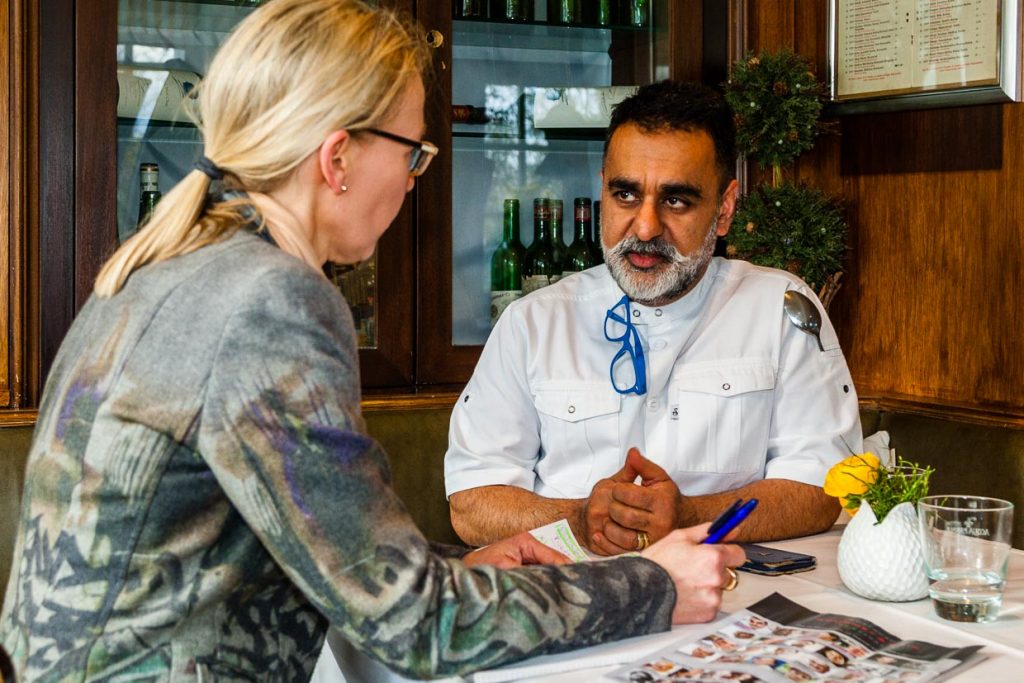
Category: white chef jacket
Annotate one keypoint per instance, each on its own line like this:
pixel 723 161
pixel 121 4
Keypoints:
pixel 735 392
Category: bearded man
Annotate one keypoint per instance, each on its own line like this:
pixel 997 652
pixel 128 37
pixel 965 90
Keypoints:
pixel 666 351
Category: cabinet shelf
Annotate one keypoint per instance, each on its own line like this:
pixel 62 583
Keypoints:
pixel 519 36
pixel 241 4
pixel 154 123
pixel 548 24
pixel 539 140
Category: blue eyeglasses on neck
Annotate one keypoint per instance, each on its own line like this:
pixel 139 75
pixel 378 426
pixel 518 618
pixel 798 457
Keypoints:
pixel 631 344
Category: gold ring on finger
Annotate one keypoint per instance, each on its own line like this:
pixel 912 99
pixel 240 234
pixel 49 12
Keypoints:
pixel 642 540
pixel 734 579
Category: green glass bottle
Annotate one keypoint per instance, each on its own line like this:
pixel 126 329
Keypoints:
pixel 512 10
pixel 604 12
pixel 540 265
pixel 557 243
pixel 469 9
pixel 580 255
pixel 507 263
pixel 565 12
pixel 149 178
pixel 636 13
pixel 596 240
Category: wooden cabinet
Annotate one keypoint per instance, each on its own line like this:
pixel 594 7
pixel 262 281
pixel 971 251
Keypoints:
pixel 72 170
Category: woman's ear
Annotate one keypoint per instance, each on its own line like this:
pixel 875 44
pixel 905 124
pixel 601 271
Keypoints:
pixel 333 156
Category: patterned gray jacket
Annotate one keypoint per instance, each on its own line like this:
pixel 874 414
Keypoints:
pixel 202 498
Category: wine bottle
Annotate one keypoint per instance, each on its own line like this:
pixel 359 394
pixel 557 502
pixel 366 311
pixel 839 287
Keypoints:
pixel 512 10
pixel 580 254
pixel 565 12
pixel 557 244
pixel 540 265
pixel 636 13
pixel 469 9
pixel 149 179
pixel 604 12
pixel 507 263
pixel 596 241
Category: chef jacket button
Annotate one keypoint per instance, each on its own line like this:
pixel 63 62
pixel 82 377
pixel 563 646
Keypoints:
pixel 657 312
pixel 572 409
pixel 727 386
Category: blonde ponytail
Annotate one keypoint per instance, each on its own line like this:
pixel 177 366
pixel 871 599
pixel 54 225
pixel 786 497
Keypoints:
pixel 176 214
pixel 291 73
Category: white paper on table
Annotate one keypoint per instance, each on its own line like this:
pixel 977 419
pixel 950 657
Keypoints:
pixel 607 654
pixel 559 535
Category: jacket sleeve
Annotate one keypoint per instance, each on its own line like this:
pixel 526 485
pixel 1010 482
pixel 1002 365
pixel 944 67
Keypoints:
pixel 494 435
pixel 816 417
pixel 282 431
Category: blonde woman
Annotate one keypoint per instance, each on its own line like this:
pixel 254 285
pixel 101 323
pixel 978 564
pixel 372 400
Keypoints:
pixel 201 496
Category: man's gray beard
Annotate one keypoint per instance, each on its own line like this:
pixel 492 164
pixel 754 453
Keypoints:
pixel 683 271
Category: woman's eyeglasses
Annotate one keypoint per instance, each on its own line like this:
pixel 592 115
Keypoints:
pixel 422 151
pixel 619 328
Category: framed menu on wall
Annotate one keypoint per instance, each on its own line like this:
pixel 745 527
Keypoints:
pixel 913 54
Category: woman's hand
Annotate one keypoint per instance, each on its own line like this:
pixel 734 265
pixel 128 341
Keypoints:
pixel 515 551
pixel 698 571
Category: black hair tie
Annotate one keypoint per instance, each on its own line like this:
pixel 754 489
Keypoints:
pixel 210 169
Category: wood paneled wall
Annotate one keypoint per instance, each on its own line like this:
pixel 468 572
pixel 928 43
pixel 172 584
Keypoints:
pixel 929 314
pixel 16 64
pixel 5 207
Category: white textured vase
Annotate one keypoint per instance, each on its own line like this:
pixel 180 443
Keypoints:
pixel 883 561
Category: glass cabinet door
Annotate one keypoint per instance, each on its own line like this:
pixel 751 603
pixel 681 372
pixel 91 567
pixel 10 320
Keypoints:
pixel 531 85
pixel 163 49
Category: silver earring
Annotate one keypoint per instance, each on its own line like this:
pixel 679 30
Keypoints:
pixel 344 188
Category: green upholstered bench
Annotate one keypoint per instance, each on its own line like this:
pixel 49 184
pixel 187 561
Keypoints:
pixel 982 460
pixel 14 444
pixel 968 458
pixel 415 441
pixel 973 459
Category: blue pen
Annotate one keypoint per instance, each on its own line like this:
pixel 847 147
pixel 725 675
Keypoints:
pixel 729 520
pixel 724 516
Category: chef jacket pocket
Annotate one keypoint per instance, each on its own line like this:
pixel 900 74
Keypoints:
pixel 577 421
pixel 724 415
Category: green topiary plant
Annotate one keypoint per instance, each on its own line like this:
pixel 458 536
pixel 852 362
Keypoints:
pixel 792 227
pixel 777 103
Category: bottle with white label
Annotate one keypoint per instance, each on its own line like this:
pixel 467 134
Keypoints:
pixel 507 263
pixel 581 254
pixel 557 244
pixel 540 262
pixel 149 191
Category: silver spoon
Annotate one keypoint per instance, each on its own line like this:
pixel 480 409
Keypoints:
pixel 803 314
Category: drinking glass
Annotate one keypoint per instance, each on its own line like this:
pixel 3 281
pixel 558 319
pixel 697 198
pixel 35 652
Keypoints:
pixel 966 543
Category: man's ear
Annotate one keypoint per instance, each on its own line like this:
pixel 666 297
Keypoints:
pixel 727 208
pixel 333 156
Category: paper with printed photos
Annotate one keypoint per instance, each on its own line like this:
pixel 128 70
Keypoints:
pixel 778 641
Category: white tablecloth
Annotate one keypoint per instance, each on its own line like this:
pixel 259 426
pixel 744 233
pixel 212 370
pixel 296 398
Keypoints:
pixel 820 590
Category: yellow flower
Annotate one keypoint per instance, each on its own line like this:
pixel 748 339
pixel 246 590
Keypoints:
pixel 850 479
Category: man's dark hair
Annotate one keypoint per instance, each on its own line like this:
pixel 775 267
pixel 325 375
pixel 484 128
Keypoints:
pixel 675 105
